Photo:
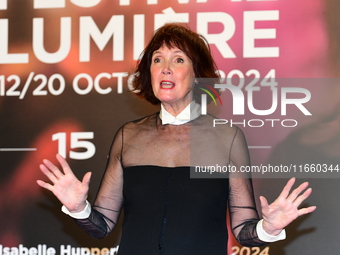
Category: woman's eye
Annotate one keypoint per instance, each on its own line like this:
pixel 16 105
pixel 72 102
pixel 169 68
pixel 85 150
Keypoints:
pixel 179 60
pixel 156 60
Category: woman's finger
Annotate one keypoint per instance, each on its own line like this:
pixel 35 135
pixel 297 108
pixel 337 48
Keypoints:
pixel 296 192
pixel 45 185
pixel 264 203
pixel 307 210
pixel 52 168
pixel 298 201
pixel 87 178
pixel 285 192
pixel 48 173
pixel 65 166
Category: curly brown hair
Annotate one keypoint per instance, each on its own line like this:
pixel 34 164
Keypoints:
pixel 178 35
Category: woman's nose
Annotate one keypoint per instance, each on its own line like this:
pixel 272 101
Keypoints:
pixel 166 69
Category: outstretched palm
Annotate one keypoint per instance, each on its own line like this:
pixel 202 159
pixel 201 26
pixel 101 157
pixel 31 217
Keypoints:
pixel 71 192
pixel 284 209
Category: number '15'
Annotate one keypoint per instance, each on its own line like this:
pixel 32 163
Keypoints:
pixel 80 149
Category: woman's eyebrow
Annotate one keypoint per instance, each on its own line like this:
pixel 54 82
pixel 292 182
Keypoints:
pixel 174 52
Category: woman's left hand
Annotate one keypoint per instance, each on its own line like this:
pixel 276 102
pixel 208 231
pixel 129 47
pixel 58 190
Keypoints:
pixel 284 209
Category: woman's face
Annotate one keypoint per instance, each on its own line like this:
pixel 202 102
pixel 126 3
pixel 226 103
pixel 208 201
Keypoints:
pixel 171 76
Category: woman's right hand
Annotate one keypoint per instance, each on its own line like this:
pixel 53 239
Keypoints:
pixel 71 192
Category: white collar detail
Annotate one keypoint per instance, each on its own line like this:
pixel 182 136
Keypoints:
pixel 191 112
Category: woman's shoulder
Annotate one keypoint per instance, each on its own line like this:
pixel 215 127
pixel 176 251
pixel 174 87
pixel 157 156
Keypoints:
pixel 146 122
pixel 135 128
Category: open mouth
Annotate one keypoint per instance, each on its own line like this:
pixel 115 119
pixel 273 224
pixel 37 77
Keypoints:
pixel 167 85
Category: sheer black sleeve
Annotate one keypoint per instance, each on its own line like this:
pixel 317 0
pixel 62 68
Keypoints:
pixel 242 207
pixel 107 205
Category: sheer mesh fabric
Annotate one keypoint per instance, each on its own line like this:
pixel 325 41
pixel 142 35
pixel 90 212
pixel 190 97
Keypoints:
pixel 225 145
pixel 170 149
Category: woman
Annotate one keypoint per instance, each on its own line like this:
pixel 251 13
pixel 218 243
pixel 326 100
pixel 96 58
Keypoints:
pixel 165 211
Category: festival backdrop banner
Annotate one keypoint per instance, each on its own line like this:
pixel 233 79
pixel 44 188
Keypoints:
pixel 65 72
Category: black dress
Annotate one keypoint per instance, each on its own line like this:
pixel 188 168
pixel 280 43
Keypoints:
pixel 165 211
